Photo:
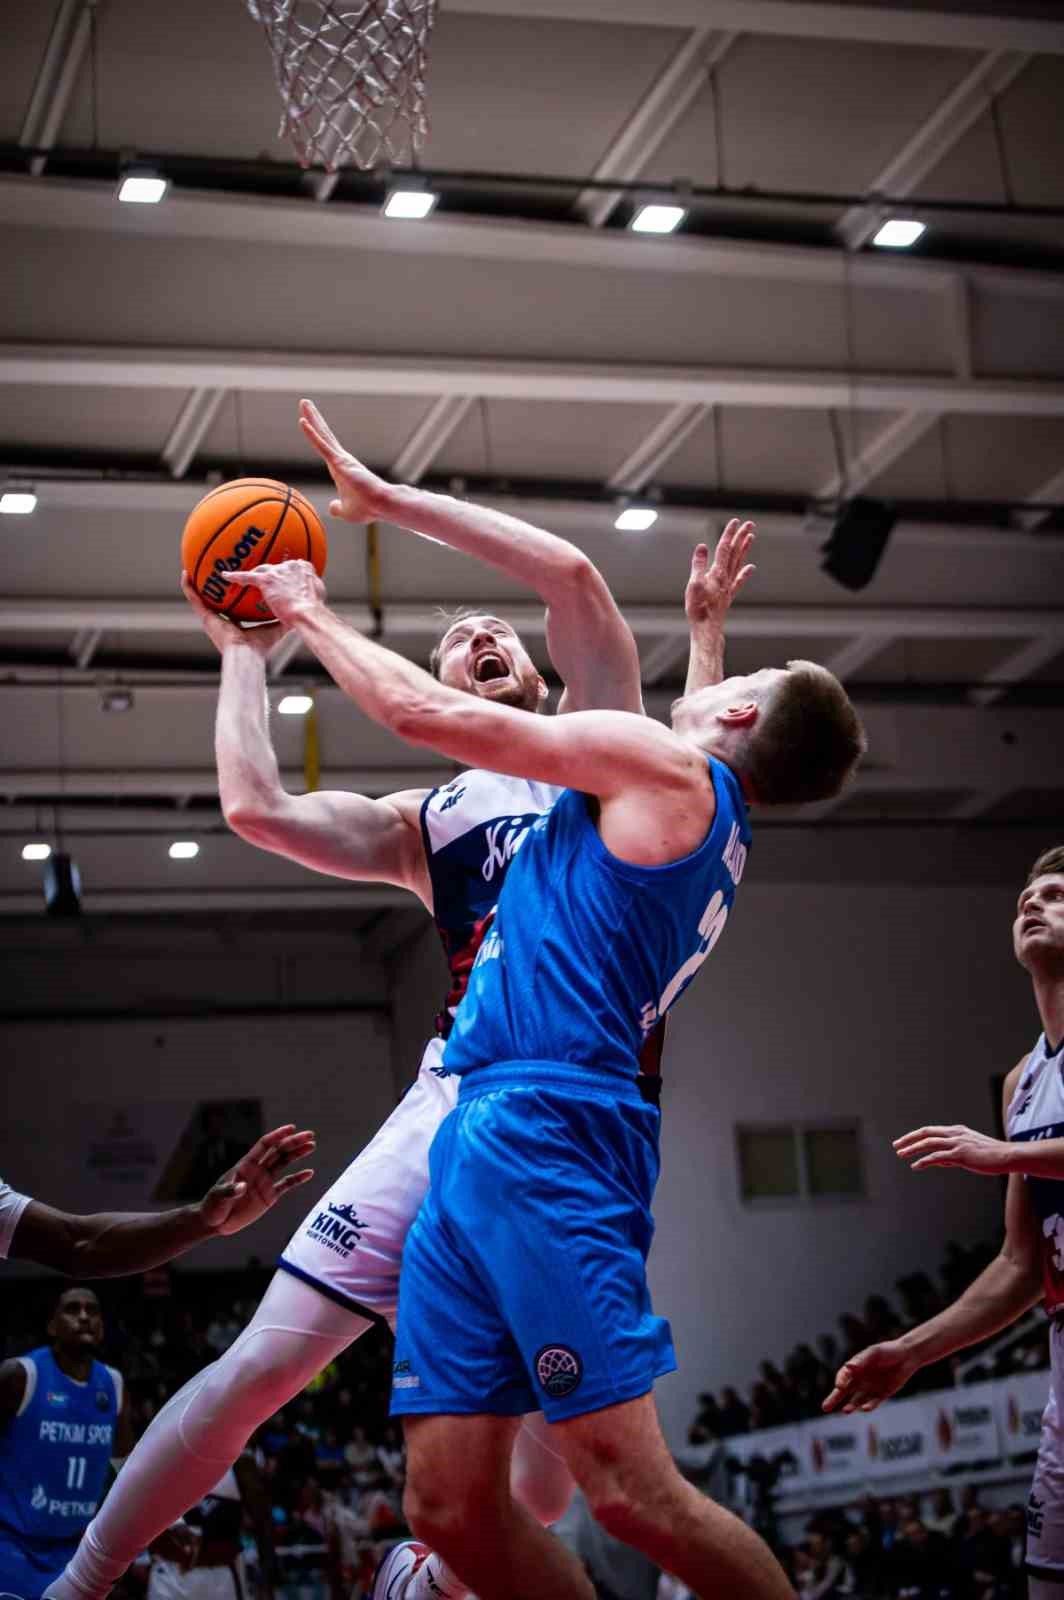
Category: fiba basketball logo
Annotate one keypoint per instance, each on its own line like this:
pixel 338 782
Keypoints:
pixel 559 1370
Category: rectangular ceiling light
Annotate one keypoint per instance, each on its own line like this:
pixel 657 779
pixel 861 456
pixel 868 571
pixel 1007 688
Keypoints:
pixel 184 850
pixel 295 705
pixel 657 219
pixel 142 188
pixel 636 519
pixel 410 204
pixel 17 502
pixel 899 233
pixel 36 852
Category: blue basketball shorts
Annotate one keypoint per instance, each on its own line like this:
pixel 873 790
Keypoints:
pixel 523 1282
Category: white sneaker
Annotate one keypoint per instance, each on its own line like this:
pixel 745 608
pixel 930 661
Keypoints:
pixel 392 1578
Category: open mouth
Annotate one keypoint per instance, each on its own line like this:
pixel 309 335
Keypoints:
pixel 489 667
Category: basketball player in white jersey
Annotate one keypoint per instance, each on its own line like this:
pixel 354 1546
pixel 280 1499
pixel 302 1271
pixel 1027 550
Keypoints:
pixel 451 847
pixel 1030 1266
pixel 217 1569
pixel 109 1244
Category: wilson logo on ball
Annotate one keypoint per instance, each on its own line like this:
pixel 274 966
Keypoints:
pixel 214 586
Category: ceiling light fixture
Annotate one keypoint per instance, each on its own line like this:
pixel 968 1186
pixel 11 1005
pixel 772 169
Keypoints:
pixel 184 850
pixel 636 519
pixel 410 205
pixel 36 851
pixel 141 185
pixel 657 219
pixel 116 700
pixel 295 705
pixel 898 233
pixel 18 502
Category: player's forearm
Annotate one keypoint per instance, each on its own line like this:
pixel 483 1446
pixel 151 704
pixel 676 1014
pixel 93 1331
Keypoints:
pixel 1036 1158
pixel 705 660
pixel 1001 1293
pixel 249 778
pixel 387 687
pixel 530 554
pixel 107 1244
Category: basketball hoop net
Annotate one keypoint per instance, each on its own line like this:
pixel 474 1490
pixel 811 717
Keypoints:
pixel 351 77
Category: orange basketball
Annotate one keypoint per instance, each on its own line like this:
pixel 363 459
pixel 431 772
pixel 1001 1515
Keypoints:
pixel 242 524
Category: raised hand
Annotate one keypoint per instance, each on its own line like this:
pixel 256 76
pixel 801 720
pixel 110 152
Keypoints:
pixel 224 633
pixel 359 490
pixel 244 1193
pixel 712 587
pixel 288 587
pixel 873 1375
pixel 955 1147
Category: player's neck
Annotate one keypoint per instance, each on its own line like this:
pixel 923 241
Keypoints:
pixel 1049 998
pixel 73 1364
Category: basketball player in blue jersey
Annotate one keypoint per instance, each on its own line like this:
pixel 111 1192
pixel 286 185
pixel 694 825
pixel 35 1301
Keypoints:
pixel 110 1244
pixel 523 1279
pixel 1030 1266
pixel 453 847
pixel 63 1422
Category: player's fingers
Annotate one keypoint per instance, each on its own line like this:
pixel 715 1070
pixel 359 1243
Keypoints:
pixel 242 579
pixel 294 1180
pixel 738 582
pixel 335 508
pixel 931 1161
pixel 699 559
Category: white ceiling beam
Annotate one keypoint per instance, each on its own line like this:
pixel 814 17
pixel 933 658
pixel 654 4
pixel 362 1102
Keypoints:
pixel 660 444
pixel 84 646
pixel 855 654
pixel 944 128
pixel 1050 492
pixel 80 784
pixel 609 383
pixel 421 621
pixel 56 77
pixel 661 108
pixel 73 205
pixel 571 517
pixel 888 446
pixel 193 423
pixel 1021 664
pixel 253 898
pixel 956 29
pixel 429 437
pixel 662 659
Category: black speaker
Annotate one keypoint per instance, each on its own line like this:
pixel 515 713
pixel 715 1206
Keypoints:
pixel 62 886
pixel 853 549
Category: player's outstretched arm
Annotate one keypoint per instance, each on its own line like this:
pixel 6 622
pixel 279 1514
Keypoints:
pixel 590 643
pixel 959 1146
pixel 345 835
pixel 600 752
pixel 1008 1287
pixel 711 588
pixel 110 1244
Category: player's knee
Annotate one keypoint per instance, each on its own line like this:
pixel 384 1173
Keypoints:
pixel 435 1514
pixel 635 1509
pixel 257 1376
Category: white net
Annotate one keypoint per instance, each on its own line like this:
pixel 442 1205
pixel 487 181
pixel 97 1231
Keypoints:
pixel 351 77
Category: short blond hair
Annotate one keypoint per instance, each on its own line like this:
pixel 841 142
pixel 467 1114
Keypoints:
pixel 1051 860
pixel 807 741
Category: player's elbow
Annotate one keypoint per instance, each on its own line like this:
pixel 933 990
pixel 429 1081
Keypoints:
pixel 251 819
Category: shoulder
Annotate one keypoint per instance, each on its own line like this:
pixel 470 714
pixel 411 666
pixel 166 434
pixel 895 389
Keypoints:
pixel 18 1379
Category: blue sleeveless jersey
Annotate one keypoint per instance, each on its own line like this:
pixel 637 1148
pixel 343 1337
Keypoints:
pixel 54 1456
pixel 587 952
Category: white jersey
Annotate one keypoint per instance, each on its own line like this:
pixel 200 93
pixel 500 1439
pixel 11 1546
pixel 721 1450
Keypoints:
pixel 350 1244
pixel 12 1205
pixel 1036 1111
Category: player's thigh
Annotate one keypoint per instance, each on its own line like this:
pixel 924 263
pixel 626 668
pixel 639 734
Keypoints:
pixel 457 1462
pixel 618 1451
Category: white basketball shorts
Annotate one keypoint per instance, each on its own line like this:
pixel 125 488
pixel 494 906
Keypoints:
pixel 1045 1508
pixel 168 1582
pixel 350 1244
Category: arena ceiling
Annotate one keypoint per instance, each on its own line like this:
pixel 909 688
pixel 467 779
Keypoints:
pixel 524 346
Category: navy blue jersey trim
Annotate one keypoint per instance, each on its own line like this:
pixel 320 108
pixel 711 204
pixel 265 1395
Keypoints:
pixel 345 1301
